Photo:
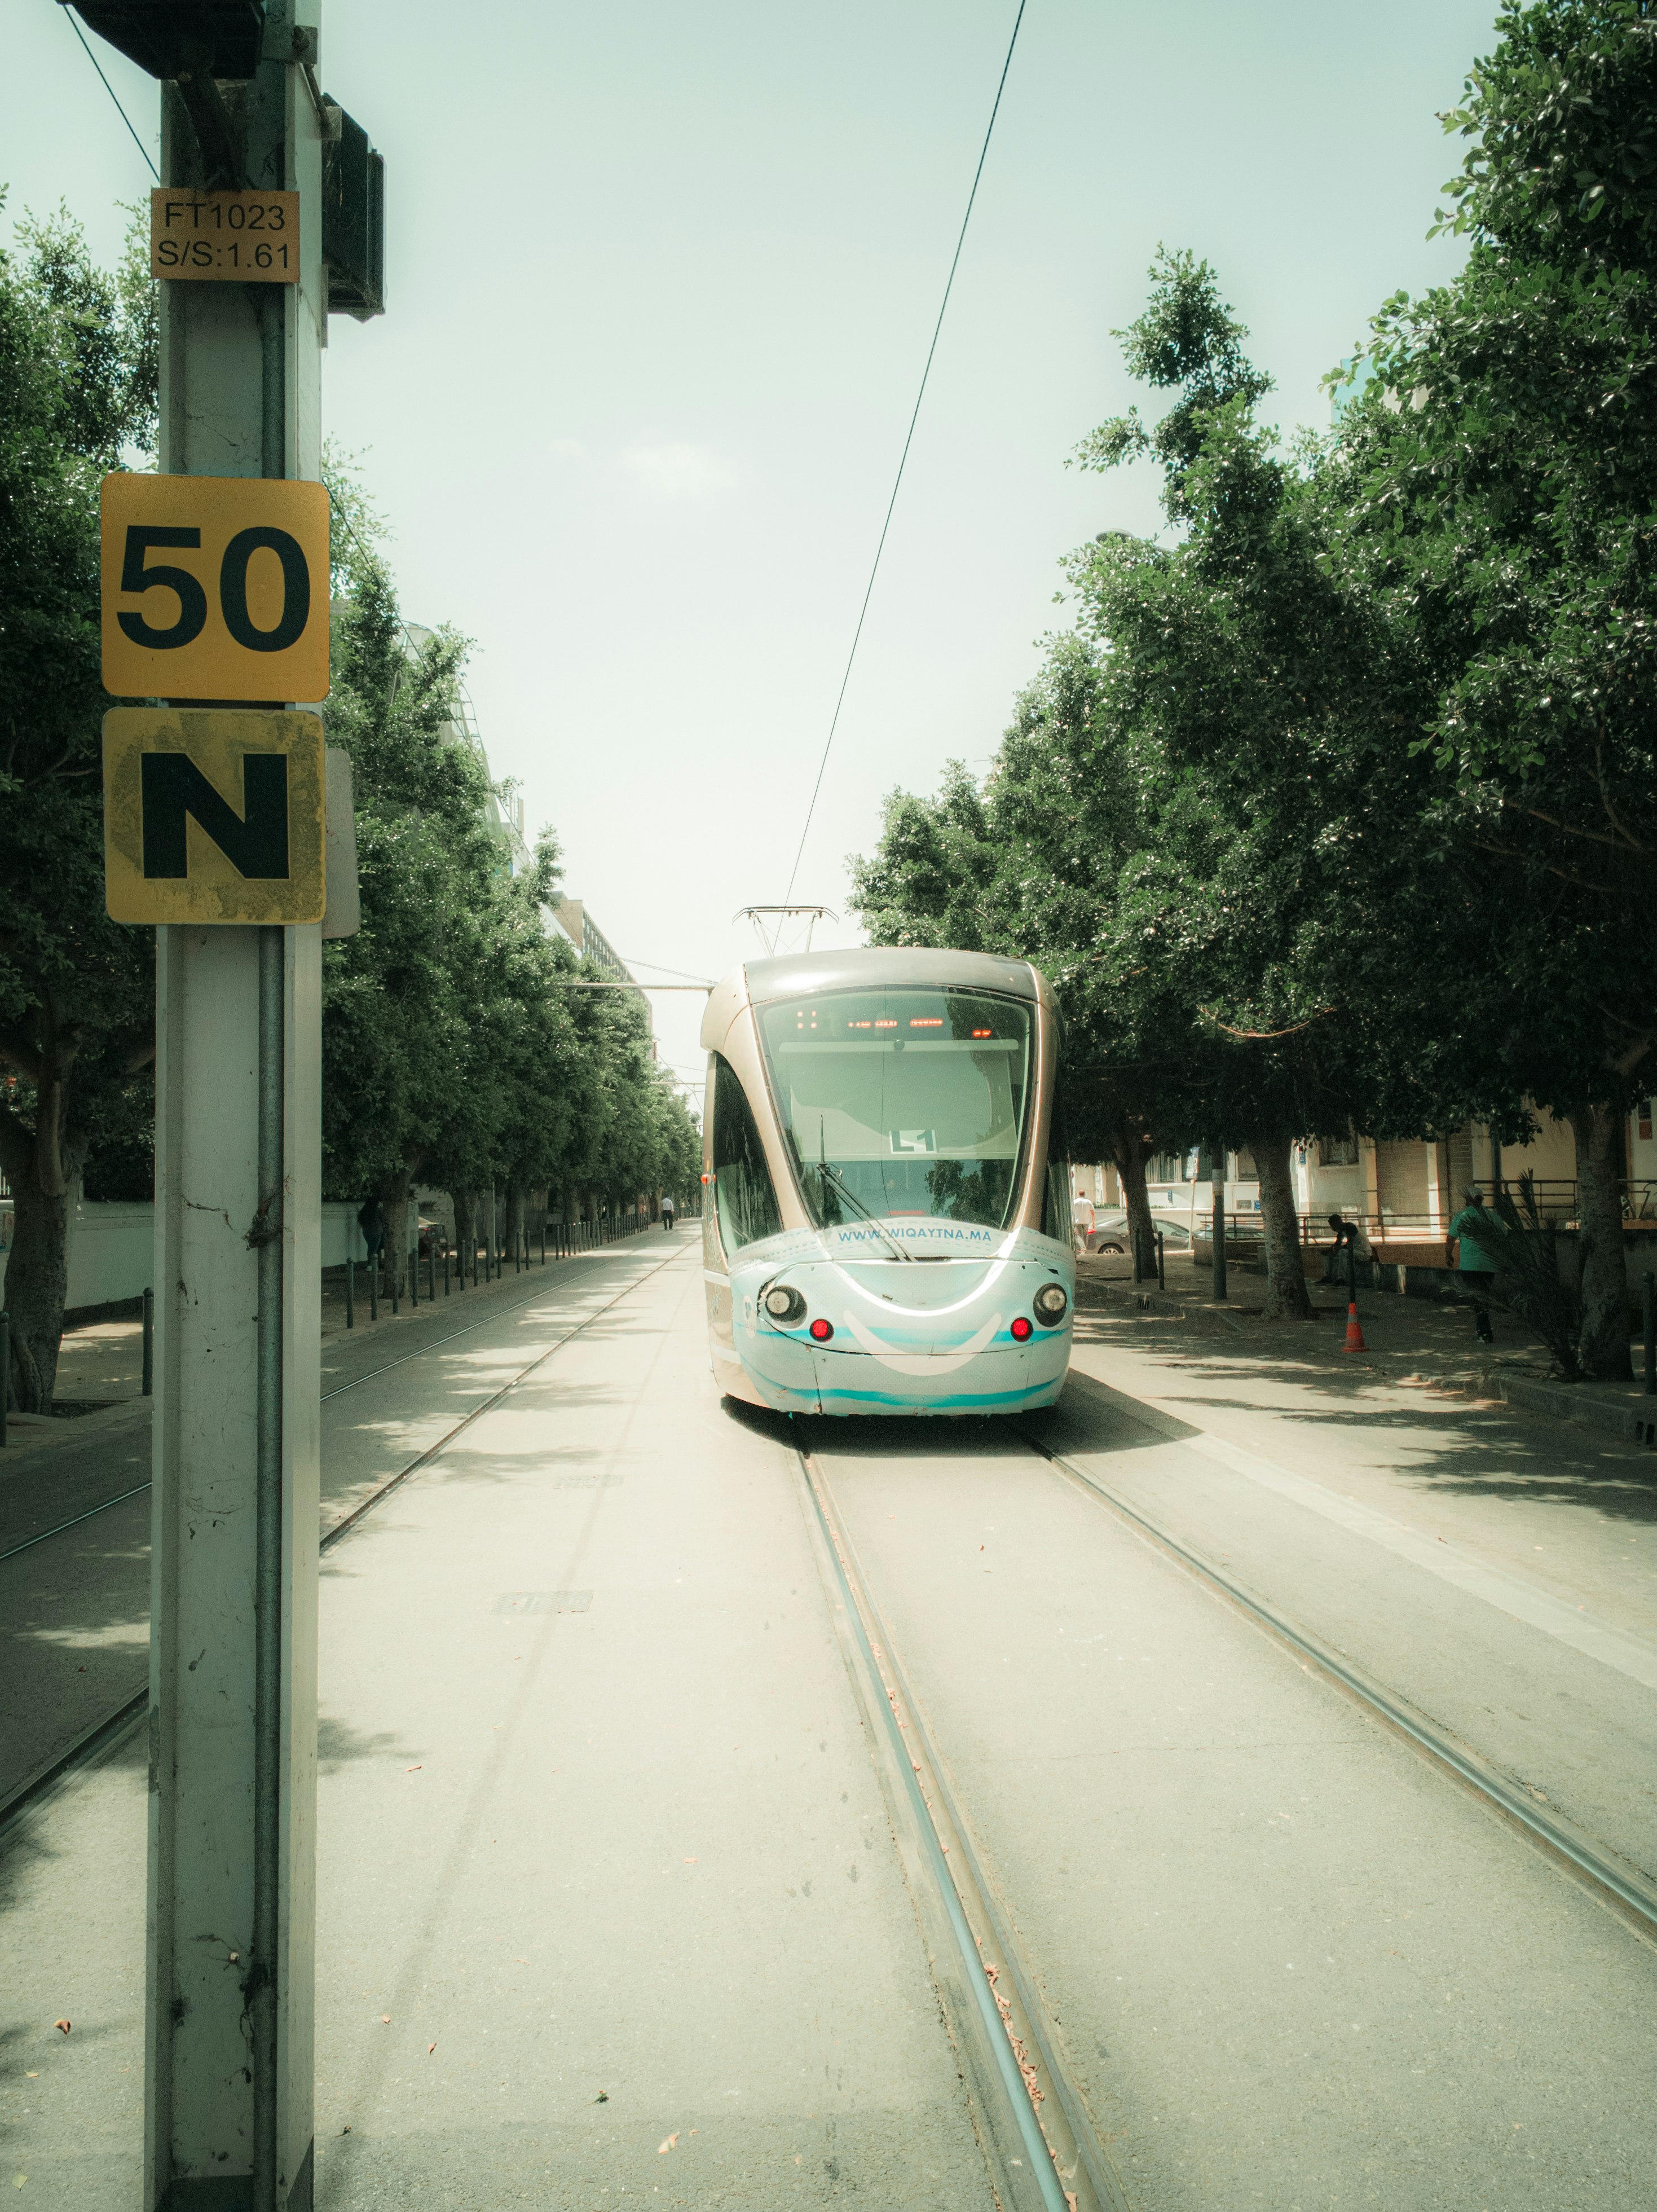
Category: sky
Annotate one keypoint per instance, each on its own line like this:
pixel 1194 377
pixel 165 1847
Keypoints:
pixel 661 282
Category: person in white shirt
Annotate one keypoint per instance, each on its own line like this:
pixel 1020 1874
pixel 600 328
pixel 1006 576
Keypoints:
pixel 1082 1218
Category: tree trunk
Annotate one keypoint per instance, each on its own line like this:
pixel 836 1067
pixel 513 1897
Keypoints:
pixel 514 1217
pixel 465 1226
pixel 393 1196
pixel 1286 1296
pixel 1128 1159
pixel 1603 1346
pixel 37 1280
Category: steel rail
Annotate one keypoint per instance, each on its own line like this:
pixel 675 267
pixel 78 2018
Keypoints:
pixel 338 1391
pixel 105 1734
pixel 1620 1887
pixel 29 1542
pixel 1066 2164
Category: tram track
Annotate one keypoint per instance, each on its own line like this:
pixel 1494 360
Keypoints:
pixel 106 1734
pixel 356 1382
pixel 1615 1885
pixel 1007 2014
pixel 1048 2116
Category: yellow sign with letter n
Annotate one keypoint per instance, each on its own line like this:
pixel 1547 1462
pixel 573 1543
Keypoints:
pixel 213 814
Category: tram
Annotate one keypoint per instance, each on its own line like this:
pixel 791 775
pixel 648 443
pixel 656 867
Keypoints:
pixel 889 1230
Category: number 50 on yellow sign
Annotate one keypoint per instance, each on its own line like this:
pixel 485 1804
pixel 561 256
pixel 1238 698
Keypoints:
pixel 215 587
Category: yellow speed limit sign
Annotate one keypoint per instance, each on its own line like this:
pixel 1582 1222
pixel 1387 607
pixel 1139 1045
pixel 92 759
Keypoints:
pixel 214 815
pixel 215 587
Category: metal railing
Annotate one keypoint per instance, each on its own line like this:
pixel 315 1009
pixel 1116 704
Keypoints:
pixel 483 1259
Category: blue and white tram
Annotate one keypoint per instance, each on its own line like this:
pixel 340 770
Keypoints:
pixel 887 1232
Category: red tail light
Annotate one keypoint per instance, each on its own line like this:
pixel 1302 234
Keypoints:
pixel 823 1330
pixel 1021 1327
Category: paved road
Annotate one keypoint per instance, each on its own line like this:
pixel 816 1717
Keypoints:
pixel 1499 1570
pixel 74 1610
pixel 598 1819
pixel 1289 1965
pixel 626 1866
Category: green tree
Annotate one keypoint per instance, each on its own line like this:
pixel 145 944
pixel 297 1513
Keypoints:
pixel 77 394
pixel 1501 481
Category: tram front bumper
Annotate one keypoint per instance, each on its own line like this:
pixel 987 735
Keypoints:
pixel 868 1368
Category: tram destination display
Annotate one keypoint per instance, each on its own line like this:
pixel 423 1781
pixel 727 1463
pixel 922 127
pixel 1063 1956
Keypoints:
pixel 214 588
pixel 224 238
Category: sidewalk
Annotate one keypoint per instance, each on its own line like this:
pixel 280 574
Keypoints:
pixel 1419 1341
pixel 607 1904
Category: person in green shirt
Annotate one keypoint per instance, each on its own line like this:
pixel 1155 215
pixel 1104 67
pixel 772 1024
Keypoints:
pixel 1478 1264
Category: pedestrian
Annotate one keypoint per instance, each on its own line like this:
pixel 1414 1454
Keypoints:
pixel 370 1220
pixel 667 1214
pixel 1476 1261
pixel 1346 1241
pixel 1082 1219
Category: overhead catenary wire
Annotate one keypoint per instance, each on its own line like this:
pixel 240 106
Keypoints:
pixel 114 95
pixel 903 457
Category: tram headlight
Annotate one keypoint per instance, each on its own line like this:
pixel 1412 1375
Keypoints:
pixel 1051 1304
pixel 783 1305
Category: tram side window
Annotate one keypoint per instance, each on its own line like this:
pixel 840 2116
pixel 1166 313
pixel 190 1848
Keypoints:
pixel 1056 1215
pixel 742 1182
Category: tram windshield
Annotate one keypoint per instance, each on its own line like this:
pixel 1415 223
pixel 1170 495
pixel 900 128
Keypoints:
pixel 899 1102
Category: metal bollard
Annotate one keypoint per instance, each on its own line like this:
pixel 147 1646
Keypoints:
pixel 446 1270
pixel 1648 1299
pixel 517 1241
pixel 146 1388
pixel 5 1370
pixel 543 1240
pixel 1161 1259
pixel 431 1276
pixel 373 1287
pixel 395 1271
pixel 350 1292
pixel 414 1277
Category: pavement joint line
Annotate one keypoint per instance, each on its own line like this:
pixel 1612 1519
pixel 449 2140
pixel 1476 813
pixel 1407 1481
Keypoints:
pixel 1512 1594
pixel 1625 1892
pixel 105 1734
pixel 1084 2182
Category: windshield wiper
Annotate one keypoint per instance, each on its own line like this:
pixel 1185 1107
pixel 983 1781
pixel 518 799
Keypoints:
pixel 834 1176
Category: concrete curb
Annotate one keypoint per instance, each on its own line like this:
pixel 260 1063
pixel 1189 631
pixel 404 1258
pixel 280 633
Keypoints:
pixel 1635 1421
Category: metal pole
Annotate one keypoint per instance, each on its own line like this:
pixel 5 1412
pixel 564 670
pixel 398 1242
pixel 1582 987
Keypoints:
pixel 1162 1260
pixel 1218 1179
pixel 147 1387
pixel 350 1292
pixel 394 1270
pixel 5 1371
pixel 263 1976
pixel 1648 1282
pixel 446 1266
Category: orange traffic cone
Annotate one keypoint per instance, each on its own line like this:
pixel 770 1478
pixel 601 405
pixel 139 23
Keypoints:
pixel 1354 1330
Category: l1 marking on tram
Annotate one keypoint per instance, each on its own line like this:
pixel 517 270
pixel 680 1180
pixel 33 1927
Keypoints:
pixel 916 1142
